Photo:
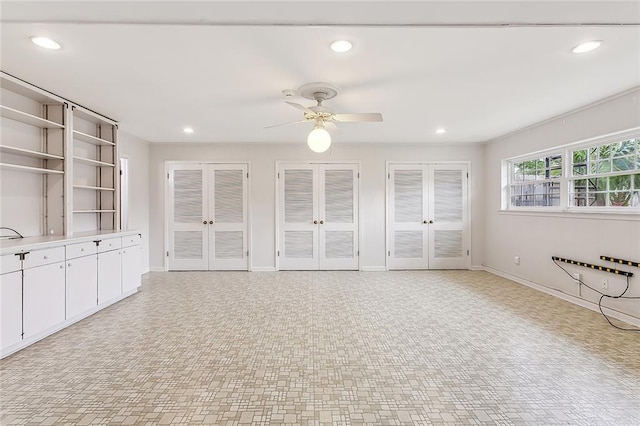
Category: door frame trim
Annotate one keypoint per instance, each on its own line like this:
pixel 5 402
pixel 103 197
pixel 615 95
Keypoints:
pixel 387 203
pixel 280 163
pixel 167 167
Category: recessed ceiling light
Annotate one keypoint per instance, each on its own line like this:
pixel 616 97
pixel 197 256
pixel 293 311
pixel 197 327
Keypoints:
pixel 441 131
pixel 587 46
pixel 187 130
pixel 45 42
pixel 341 46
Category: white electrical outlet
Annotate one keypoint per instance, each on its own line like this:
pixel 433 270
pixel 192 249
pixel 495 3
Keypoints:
pixel 605 284
pixel 576 277
pixel 516 260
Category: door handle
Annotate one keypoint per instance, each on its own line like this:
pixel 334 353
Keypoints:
pixel 322 222
pixel 204 222
pixel 430 221
pixel 210 222
pixel 315 222
pixel 424 221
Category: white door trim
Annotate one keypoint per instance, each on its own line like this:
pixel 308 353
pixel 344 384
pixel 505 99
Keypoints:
pixel 167 168
pixel 427 163
pixel 280 163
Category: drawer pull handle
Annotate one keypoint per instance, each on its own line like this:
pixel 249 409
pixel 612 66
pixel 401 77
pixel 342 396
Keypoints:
pixel 61 266
pixel 46 257
pixel 81 249
pixel 68 264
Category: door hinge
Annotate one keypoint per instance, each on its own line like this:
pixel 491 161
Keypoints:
pixel 389 253
pixel 247 252
pixel 358 252
pixel 247 175
pixel 467 252
pixel 358 175
pixel 167 175
pixel 121 173
pixel 278 175
pixel 278 253
pixel 388 175
pixel 167 254
pixel 467 175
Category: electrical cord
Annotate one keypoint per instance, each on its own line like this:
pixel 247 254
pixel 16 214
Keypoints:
pixel 602 296
pixel 11 229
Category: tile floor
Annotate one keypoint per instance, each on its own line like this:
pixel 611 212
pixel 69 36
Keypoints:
pixel 351 348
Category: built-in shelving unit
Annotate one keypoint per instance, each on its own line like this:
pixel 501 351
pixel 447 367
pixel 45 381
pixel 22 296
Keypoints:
pixel 34 126
pixel 70 157
pixel 96 172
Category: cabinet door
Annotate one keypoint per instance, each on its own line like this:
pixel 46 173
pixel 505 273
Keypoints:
pixel 298 211
pixel 44 298
pixel 82 285
pixel 109 276
pixel 131 258
pixel 338 214
pixel 10 309
pixel 228 211
pixel 408 232
pixel 188 218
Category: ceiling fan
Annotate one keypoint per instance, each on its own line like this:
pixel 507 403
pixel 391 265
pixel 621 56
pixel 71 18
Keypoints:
pixel 323 117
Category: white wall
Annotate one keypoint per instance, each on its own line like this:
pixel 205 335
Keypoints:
pixel 536 237
pixel 136 151
pixel 262 159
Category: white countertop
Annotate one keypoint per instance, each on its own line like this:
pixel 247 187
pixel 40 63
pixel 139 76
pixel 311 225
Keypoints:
pixel 18 245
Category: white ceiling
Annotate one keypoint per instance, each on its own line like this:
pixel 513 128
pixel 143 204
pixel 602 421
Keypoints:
pixel 480 69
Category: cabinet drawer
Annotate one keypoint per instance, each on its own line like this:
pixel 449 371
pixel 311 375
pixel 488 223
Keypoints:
pixel 9 263
pixel 130 240
pixel 81 249
pixel 43 257
pixel 109 244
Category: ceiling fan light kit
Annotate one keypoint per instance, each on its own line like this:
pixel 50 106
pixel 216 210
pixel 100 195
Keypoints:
pixel 319 139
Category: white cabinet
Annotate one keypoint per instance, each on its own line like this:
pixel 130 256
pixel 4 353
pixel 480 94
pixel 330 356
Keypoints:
pixel 10 309
pixel 81 284
pixel 44 298
pixel 109 276
pixel 131 263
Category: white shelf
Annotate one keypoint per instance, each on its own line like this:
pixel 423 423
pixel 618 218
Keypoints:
pixel 94 211
pixel 94 188
pixel 20 168
pixel 29 153
pixel 84 137
pixel 93 162
pixel 27 118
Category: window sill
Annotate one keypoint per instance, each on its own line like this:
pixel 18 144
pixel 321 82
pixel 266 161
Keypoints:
pixel 633 216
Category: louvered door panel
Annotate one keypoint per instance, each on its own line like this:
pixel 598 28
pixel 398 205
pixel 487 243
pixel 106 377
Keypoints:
pixel 408 193
pixel 297 210
pixel 228 211
pixel 448 234
pixel 187 211
pixel 338 213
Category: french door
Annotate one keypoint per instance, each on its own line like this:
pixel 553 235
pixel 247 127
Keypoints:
pixel 318 217
pixel 427 222
pixel 207 217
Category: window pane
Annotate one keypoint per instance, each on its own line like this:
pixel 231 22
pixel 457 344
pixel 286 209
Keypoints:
pixel 627 147
pixel 605 151
pixel 618 183
pixel 624 163
pixel 619 199
pixel 636 181
pixel 599 184
pixel 579 170
pixel 579 157
pixel 603 166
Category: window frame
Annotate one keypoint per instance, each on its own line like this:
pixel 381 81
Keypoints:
pixel 511 183
pixel 567 178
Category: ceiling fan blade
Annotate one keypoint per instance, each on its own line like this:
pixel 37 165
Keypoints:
pixel 358 117
pixel 286 124
pixel 329 125
pixel 300 107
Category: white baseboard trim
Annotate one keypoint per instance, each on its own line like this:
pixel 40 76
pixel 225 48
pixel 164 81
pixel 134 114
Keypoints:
pixel 477 268
pixel 156 269
pixel 566 297
pixel 263 269
pixel 374 269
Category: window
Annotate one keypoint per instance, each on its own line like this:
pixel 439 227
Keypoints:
pixel 606 175
pixel 535 182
